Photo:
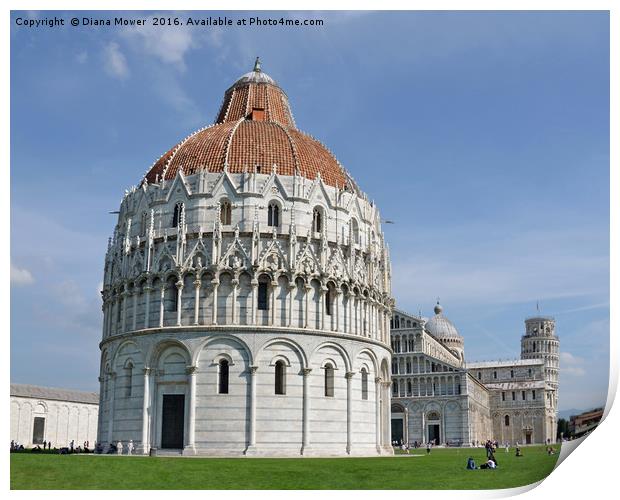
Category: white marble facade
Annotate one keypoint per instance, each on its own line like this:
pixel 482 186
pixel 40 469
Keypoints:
pixel 273 331
pixel 56 416
pixel 438 396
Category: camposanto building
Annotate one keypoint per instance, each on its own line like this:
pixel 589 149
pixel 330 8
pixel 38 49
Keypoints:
pixel 54 416
pixel 246 296
pixel 439 397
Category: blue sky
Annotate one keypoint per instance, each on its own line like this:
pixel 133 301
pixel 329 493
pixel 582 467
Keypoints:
pixel 484 136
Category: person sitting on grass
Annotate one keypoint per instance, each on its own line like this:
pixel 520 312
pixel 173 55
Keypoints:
pixel 490 464
pixel 471 463
pixel 518 453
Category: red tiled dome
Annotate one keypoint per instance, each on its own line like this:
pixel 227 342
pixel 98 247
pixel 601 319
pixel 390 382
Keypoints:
pixel 254 129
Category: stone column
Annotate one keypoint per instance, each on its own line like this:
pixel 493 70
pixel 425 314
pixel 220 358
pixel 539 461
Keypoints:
pixel 135 309
pixel 112 376
pixel 254 284
pixel 197 285
pixel 190 447
pixel 386 415
pixel 306 411
pixel 337 300
pixel 235 289
pixel 272 315
pixel 123 302
pixel 322 292
pixel 215 282
pixel 147 305
pixel 306 308
pixel 350 325
pixel 349 377
pixel 252 444
pixel 99 415
pixel 145 412
pixel 378 398
pixel 106 317
pixel 365 316
pixel 179 285
pixel 406 430
pixel 291 288
pixel 162 293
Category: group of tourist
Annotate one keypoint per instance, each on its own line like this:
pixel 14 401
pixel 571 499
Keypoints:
pixel 47 446
pixel 405 447
pixel 117 448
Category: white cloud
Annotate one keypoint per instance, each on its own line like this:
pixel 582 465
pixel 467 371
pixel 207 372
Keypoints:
pixel 168 44
pixel 571 364
pixel 115 63
pixel 21 276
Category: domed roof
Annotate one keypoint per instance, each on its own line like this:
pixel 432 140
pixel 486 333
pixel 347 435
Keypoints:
pixel 441 327
pixel 255 76
pixel 254 131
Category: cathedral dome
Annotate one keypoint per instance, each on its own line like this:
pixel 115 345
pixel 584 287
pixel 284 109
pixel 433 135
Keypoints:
pixel 254 131
pixel 441 327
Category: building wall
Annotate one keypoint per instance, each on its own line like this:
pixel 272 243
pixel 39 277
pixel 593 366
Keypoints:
pixel 423 376
pixel 183 290
pixel 64 421
pixel 303 420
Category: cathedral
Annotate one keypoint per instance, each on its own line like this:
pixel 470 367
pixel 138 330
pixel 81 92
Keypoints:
pixel 438 397
pixel 247 296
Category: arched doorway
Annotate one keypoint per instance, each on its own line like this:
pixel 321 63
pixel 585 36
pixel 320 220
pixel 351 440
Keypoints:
pixel 433 427
pixel 170 404
pixel 398 424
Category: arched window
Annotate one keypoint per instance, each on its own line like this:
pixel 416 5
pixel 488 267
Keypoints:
pixel 280 377
pixel 494 374
pixel 178 210
pixel 329 380
pixel 512 373
pixel 225 212
pixel 409 388
pixel 128 379
pixel 263 294
pixel 172 296
pixel 328 301
pixel 223 377
pixel 506 420
pixel 317 220
pixel 479 375
pixel 355 230
pixel 273 215
pixel 364 384
pixel 119 307
pixel 144 220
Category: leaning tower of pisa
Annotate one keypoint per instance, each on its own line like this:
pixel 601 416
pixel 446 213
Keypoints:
pixel 541 342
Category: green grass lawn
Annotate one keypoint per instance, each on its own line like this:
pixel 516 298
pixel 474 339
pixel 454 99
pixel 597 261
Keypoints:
pixel 442 469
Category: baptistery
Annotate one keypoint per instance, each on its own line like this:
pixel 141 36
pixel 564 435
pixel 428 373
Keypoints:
pixel 246 296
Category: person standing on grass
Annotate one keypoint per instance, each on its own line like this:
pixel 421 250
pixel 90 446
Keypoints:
pixel 428 448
